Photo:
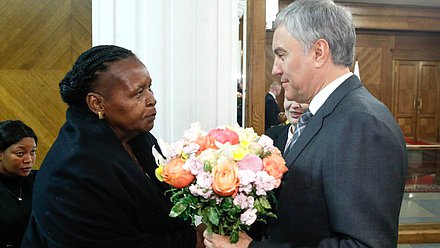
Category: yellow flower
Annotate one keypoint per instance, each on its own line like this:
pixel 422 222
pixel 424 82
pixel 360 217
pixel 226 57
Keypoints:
pixel 158 173
pixel 239 153
pixel 244 144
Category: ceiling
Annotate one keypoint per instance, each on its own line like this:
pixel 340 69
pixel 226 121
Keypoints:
pixel 435 3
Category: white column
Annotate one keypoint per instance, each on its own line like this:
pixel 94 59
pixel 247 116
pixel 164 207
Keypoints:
pixel 190 48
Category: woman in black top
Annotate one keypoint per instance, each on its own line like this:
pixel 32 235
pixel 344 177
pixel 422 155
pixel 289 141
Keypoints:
pixel 18 145
pixel 96 186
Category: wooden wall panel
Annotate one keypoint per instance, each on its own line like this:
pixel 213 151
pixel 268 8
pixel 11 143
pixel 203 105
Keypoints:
pixel 40 40
pixel 368 58
pixel 255 52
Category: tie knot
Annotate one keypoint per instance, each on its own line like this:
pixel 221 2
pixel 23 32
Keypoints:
pixel 305 117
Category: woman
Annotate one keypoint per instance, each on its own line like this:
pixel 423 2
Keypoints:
pixel 96 186
pixel 18 146
pixel 282 134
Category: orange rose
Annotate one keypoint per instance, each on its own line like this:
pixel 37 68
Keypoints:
pixel 225 181
pixel 205 142
pixel 275 166
pixel 175 175
pixel 224 135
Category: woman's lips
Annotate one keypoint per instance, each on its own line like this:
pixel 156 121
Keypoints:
pixel 26 169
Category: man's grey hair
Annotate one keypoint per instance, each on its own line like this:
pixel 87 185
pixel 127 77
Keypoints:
pixel 310 20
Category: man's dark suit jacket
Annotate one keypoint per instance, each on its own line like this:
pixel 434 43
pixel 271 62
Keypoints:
pixel 346 177
pixel 271 112
pixel 279 134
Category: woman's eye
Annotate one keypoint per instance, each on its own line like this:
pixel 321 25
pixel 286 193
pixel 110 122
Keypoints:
pixel 33 152
pixel 150 90
pixel 140 93
pixel 19 154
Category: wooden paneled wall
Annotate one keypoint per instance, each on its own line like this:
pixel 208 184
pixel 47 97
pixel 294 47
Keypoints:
pixel 39 41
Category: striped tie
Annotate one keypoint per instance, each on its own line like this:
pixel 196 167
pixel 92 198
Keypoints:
pixel 302 122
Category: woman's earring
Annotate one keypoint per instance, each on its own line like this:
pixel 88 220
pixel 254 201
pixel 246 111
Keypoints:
pixel 100 115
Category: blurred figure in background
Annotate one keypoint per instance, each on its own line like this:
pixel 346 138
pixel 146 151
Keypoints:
pixel 271 108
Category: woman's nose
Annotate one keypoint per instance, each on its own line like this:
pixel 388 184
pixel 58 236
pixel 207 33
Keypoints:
pixel 150 100
pixel 28 158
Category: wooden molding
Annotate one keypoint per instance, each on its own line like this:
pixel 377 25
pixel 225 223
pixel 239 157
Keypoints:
pixel 419 233
pixel 394 17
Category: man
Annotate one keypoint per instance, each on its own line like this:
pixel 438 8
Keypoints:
pixel 347 169
pixel 282 134
pixel 271 109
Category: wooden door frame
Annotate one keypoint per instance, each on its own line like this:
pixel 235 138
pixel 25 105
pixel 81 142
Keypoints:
pixel 255 66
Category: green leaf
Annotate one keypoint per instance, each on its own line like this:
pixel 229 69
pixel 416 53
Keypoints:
pixel 178 209
pixel 234 237
pixel 213 216
pixel 265 203
pixel 207 166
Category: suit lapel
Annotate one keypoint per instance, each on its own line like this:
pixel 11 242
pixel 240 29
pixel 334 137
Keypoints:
pixel 282 138
pixel 315 123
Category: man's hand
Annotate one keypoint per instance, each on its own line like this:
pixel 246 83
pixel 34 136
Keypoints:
pixel 219 241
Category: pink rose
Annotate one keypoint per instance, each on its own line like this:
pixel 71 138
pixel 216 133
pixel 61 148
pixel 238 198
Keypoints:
pixel 224 135
pixel 251 162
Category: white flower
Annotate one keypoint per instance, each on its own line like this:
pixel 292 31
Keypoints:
pixel 264 183
pixel 244 201
pixel 265 141
pixel 246 177
pixel 194 132
pixel 191 148
pixel 175 149
pixel 204 179
pixel 248 217
pixel 194 165
pixel 209 155
pixel 157 156
pixel 198 191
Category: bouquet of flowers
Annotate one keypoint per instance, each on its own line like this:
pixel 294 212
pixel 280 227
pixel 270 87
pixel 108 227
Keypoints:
pixel 225 176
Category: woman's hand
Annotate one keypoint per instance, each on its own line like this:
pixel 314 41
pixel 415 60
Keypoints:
pixel 199 231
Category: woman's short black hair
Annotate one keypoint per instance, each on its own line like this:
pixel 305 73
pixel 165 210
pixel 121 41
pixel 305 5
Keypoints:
pixel 12 131
pixel 78 82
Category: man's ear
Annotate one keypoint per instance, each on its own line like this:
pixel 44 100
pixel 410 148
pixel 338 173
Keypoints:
pixel 95 102
pixel 321 52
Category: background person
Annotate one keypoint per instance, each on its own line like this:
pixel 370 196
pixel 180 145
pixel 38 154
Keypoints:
pixel 347 169
pixel 96 186
pixel 271 106
pixel 18 151
pixel 282 134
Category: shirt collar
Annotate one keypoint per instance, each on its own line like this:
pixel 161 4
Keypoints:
pixel 324 93
pixel 273 95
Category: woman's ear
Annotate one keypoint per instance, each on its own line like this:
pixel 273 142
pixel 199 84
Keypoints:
pixel 95 102
pixel 321 50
